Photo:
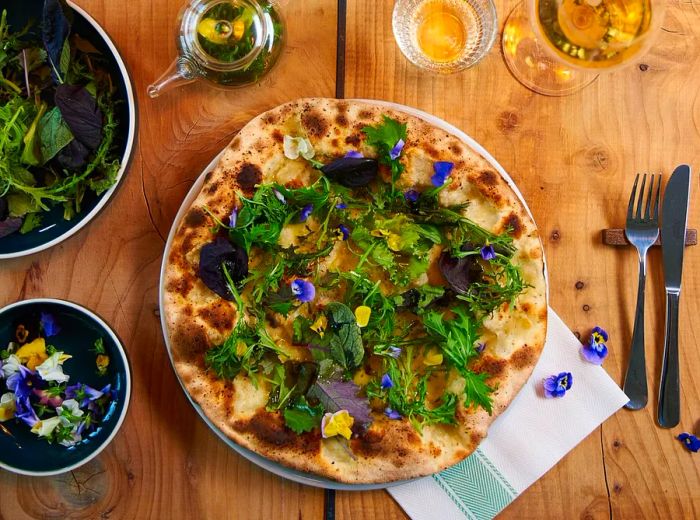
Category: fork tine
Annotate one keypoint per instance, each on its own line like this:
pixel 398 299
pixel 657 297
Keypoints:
pixel 647 208
pixel 656 199
pixel 640 199
pixel 630 208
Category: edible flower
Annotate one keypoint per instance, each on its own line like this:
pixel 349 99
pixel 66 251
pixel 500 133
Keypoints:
pixel 341 205
pixel 279 196
pixel 396 150
pixel 480 347
pixel 7 406
pixel 595 351
pixel 21 382
pixel 82 393
pixel 46 427
pixel 69 411
pixel 48 325
pixel 51 369
pixel 337 423
pixel 296 146
pixel 303 290
pixel 442 172
pixel 102 362
pixel 305 212
pixel 394 242
pixel 47 399
pixel 392 414
pixel 11 365
pixel 233 217
pixel 342 232
pixel 432 358
pixel 362 314
pixel 394 351
pixel 25 412
pixel 487 252
pixel 33 354
pixel 557 385
pixel 411 195
pixel 319 326
pixel 354 154
pixel 386 382
pixel 690 441
pixel 361 377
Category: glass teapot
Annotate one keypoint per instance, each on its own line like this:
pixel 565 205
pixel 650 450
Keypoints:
pixel 230 43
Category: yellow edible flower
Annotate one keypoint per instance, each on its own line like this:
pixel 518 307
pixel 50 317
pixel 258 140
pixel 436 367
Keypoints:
pixel 337 423
pixel 361 378
pixel 362 314
pixel 102 362
pixel 432 358
pixel 7 407
pixel 215 31
pixel 238 29
pixel 241 348
pixel 33 354
pixel 379 233
pixel 394 242
pixel 319 326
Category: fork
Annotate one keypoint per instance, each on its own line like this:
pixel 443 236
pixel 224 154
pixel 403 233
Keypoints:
pixel 642 231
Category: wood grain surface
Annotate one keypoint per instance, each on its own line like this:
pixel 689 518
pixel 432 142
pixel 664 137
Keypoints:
pixel 574 159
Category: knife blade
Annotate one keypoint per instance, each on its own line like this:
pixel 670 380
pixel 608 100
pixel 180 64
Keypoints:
pixel 674 220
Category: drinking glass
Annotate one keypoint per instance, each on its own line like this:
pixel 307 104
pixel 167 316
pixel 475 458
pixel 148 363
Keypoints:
pixel 557 47
pixel 444 36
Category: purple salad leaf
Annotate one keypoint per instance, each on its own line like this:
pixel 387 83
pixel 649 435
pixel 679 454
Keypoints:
pixel 336 394
pixel 55 28
pixel 9 226
pixel 80 111
pixel 74 155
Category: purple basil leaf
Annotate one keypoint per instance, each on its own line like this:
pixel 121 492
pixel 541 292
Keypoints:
pixel 55 28
pixel 9 226
pixel 4 210
pixel 80 111
pixel 460 273
pixel 220 253
pixel 335 394
pixel 74 155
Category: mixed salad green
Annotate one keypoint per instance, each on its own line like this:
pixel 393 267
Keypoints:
pixel 58 123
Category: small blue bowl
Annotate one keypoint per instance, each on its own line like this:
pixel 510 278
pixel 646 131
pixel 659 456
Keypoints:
pixel 79 328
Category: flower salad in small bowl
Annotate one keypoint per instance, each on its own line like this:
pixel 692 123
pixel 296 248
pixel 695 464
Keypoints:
pixel 64 386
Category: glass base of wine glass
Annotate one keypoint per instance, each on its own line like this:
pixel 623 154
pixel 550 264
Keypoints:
pixel 532 64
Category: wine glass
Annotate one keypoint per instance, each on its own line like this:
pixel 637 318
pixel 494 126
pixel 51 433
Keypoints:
pixel 557 47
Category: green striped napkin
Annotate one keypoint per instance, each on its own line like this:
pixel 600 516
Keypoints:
pixel 524 442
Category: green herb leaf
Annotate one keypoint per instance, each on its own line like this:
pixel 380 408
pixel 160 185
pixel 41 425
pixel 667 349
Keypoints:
pixel 300 417
pixel 345 337
pixel 31 222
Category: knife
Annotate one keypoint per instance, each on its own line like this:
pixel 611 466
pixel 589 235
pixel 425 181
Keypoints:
pixel 674 215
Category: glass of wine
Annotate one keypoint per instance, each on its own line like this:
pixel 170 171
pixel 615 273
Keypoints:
pixel 557 47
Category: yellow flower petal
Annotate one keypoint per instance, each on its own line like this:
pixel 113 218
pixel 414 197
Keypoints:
pixel 432 358
pixel 361 378
pixel 394 242
pixel 337 423
pixel 7 407
pixel 241 348
pixel 362 314
pixel 319 326
pixel 102 361
pixel 33 354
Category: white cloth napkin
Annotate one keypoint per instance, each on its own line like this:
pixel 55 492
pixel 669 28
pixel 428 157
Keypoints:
pixel 530 437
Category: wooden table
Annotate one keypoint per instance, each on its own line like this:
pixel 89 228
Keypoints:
pixel 573 158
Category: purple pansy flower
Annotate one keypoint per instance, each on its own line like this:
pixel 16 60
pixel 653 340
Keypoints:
pixel 394 352
pixel 303 290
pixel 48 325
pixel 690 441
pixel 396 150
pixel 411 195
pixel 82 393
pixel 47 399
pixel 343 232
pixel 341 205
pixel 392 414
pixel 279 196
pixel 354 154
pixel 21 383
pixel 487 252
pixel 233 218
pixel 557 385
pixel 442 172
pixel 386 382
pixel 25 412
pixel 595 351
pixel 480 347
pixel 305 212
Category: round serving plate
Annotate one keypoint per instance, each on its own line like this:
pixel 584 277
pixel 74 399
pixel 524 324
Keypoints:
pixel 273 467
pixel 79 328
pixel 55 229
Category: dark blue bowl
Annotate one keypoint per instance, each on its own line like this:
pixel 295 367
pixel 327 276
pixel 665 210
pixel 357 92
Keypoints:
pixel 79 328
pixel 55 228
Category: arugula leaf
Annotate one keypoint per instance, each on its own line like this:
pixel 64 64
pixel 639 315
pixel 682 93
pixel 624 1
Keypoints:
pixel 301 417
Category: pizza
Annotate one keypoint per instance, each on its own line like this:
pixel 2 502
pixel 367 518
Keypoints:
pixel 354 292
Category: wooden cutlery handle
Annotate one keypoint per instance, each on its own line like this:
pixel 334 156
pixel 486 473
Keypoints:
pixel 616 237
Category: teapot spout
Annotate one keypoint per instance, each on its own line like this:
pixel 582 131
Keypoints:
pixel 181 72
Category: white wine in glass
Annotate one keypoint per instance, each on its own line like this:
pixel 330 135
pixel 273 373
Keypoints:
pixel 556 47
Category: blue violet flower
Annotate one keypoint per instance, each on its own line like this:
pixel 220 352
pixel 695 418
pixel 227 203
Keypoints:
pixel 487 252
pixel 557 385
pixel 48 325
pixel 442 172
pixel 480 347
pixel 341 205
pixel 690 441
pixel 233 218
pixel 342 232
pixel 303 290
pixel 392 414
pixel 305 212
pixel 21 382
pixel 396 150
pixel 394 351
pixel 411 195
pixel 354 154
pixel 386 382
pixel 595 351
